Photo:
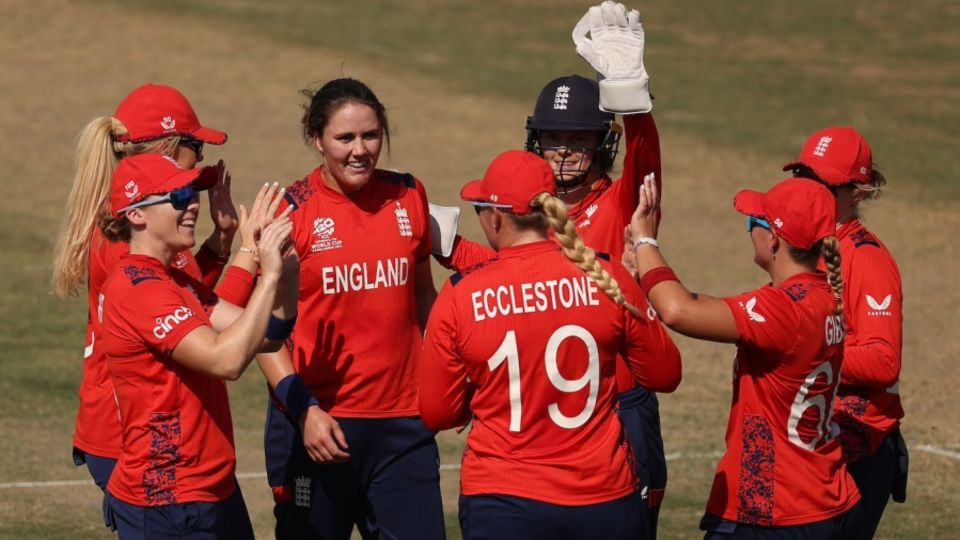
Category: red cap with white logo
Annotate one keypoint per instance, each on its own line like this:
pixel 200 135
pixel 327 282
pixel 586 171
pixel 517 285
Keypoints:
pixel 511 182
pixel 838 155
pixel 153 111
pixel 137 177
pixel 801 211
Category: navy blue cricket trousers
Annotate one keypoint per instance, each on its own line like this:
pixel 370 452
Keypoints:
pixel 389 489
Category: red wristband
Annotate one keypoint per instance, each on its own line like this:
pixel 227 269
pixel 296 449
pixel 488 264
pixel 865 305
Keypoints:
pixel 236 285
pixel 655 276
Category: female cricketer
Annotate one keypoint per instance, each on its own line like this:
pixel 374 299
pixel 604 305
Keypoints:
pixel 868 409
pixel 170 342
pixel 782 475
pixel 525 347
pixel 573 129
pixel 344 444
pixel 158 119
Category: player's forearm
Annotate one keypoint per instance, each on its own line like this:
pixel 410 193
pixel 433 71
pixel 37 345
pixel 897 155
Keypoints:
pixel 466 253
pixel 236 346
pixel 220 241
pixel 275 366
pixel 872 364
pixel 236 285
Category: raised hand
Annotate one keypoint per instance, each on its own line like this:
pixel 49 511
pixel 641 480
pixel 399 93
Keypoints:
pixel 643 223
pixel 611 39
pixel 272 240
pixel 261 213
pixel 222 211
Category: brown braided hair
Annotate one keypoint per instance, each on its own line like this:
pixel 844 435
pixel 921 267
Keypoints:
pixel 574 249
pixel 830 251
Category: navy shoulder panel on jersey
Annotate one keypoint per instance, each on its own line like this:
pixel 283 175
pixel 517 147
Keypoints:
pixel 602 256
pixel 455 278
pixel 797 291
pixel 405 179
pixel 863 238
pixel 139 274
pixel 299 192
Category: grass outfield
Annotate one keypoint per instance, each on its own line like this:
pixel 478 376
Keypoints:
pixel 738 88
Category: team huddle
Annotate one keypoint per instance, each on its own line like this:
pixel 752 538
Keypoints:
pixel 548 343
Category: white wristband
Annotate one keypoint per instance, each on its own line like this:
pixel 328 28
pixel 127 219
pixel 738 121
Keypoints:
pixel 645 240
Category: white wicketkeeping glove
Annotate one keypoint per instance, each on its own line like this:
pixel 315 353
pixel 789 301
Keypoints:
pixel 615 49
pixel 443 228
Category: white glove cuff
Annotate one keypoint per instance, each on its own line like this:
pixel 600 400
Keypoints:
pixel 443 228
pixel 626 96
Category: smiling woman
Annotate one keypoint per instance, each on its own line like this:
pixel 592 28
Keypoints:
pixel 158 120
pixel 170 342
pixel 344 443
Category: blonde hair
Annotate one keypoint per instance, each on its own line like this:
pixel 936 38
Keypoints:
pixel 574 249
pixel 830 251
pixel 873 188
pixel 97 155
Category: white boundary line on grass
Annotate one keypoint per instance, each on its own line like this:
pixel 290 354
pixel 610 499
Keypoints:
pixel 673 456
pixel 938 451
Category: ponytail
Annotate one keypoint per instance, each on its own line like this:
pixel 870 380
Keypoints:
pixel 97 154
pixel 830 251
pixel 575 250
pixel 95 161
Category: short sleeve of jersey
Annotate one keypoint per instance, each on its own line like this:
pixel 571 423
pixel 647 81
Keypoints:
pixel 766 320
pixel 159 314
pixel 651 354
pixel 423 250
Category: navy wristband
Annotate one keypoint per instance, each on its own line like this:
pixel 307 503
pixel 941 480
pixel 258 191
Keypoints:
pixel 280 329
pixel 295 396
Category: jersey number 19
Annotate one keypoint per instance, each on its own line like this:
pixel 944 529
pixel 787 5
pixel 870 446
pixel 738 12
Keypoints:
pixel 508 352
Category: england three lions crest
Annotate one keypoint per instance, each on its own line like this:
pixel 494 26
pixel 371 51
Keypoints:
pixel 403 220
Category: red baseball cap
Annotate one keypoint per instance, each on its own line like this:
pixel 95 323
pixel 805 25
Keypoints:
pixel 838 155
pixel 156 110
pixel 512 180
pixel 801 211
pixel 137 177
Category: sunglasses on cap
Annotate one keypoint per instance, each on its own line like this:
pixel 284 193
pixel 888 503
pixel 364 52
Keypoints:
pixel 479 206
pixel 180 199
pixel 193 144
pixel 756 222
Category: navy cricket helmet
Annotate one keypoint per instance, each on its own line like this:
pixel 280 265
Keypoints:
pixel 573 103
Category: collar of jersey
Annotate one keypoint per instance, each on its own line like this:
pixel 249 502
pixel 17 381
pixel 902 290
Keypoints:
pixel 524 249
pixel 848 228
pixel 818 279
pixel 598 188
pixel 145 260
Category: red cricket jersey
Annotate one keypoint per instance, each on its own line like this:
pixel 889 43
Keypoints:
pixel 868 401
pixel 783 465
pixel 177 433
pixel 602 215
pixel 526 343
pixel 97 426
pixel 357 331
